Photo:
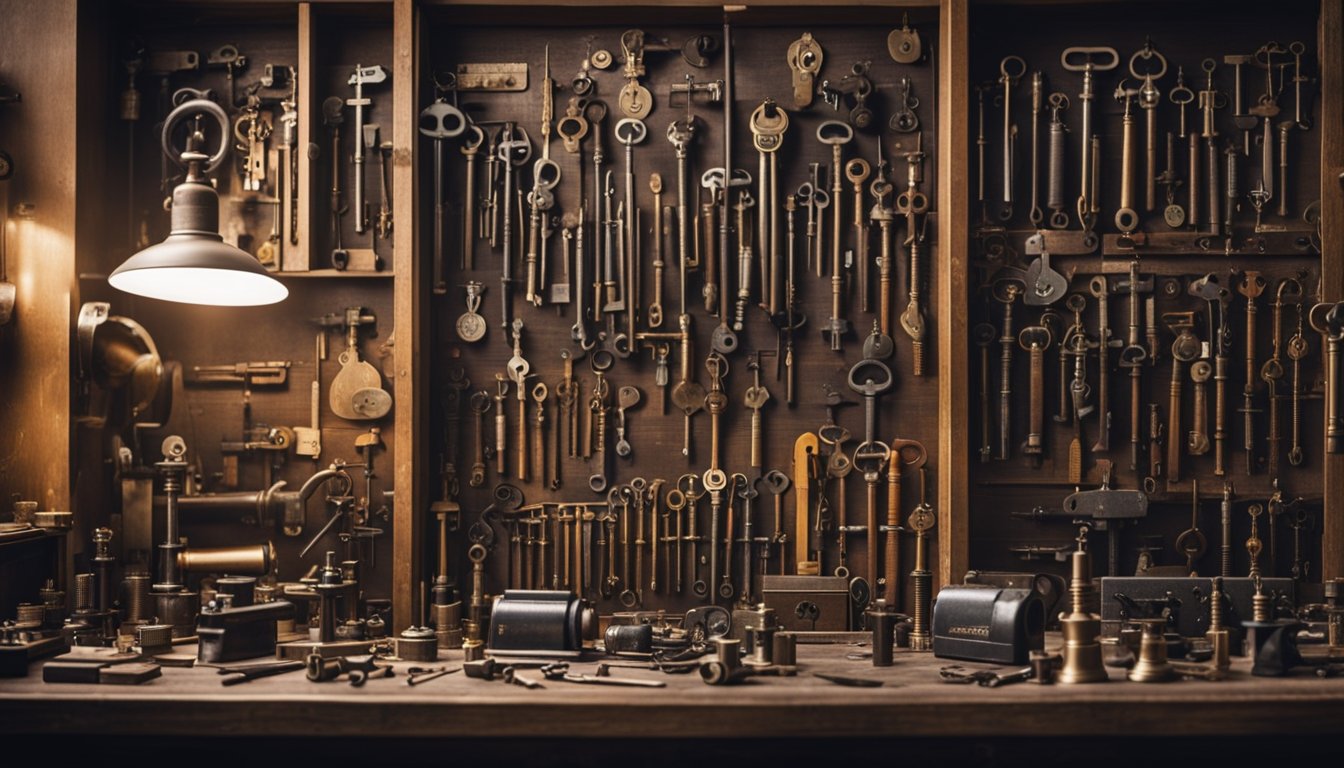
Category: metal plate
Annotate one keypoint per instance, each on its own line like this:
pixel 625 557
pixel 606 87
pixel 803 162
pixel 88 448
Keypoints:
pixel 507 76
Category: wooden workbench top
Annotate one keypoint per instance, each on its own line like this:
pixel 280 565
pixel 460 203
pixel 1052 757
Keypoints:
pixel 912 702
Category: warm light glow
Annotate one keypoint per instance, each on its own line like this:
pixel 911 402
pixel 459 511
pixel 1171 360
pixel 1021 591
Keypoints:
pixel 195 285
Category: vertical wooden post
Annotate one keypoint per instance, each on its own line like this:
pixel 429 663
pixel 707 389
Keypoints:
pixel 411 325
pixel 953 265
pixel 1330 46
pixel 299 258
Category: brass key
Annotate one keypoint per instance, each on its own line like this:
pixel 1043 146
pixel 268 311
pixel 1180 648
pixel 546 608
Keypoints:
pixel 676 504
pixel 1251 286
pixel 1184 349
pixel 518 369
pixel 627 398
pixel 1191 542
pixel 1200 373
pixel 480 405
pixel 1272 371
pixel 686 484
pixel 655 512
pixel 655 312
pixel 1225 515
pixel 501 422
pixel 539 466
pixel 601 361
pixel 1328 320
pixel 911 204
pixel 1298 349
pixel 1035 339
pixel 836 134
pixel 1101 291
pixel 1006 292
pixel 857 171
pixel 884 216
pixel 755 399
pixel 1011 70
pixel 921 521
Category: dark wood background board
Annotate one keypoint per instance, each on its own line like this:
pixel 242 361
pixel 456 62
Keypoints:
pixel 999 488
pixel 910 410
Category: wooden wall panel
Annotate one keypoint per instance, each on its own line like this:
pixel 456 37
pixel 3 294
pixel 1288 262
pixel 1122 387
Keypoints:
pixel 761 38
pixel 39 60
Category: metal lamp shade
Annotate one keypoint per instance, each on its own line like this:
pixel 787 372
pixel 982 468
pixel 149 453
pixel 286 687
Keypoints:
pixel 194 265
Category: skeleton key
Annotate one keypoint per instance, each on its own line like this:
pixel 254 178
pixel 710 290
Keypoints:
pixel 1011 70
pixel 1101 291
pixel 688 396
pixel 560 289
pixel 1133 356
pixel 501 422
pixel 480 405
pixel 1126 218
pixel 746 491
pixel 539 465
pixel 655 312
pixel 600 362
pixel 903 118
pixel 885 218
pixel 1191 542
pixel 715 181
pixel 755 399
pixel 441 121
pixel 606 542
pixel 768 124
pixel 1006 292
pixel 518 369
pixel 1088 61
pixel 804 59
pixel 1253 543
pixel 676 504
pixel 627 397
pixel 857 172
pixel 624 495
pixel 1298 348
pixel 836 134
pixel 1180 95
pixel 1184 349
pixel 1035 339
pixel 1036 216
pixel 871 458
pixel 1251 286
pixel 1299 521
pixel 984 335
pixel 639 486
pixel 735 483
pixel 1149 99
pixel 921 521
pixel 1200 373
pixel 1328 320
pixel 745 254
pixel 911 203
pixel 686 485
pixel 1272 371
pixel 680 133
pixel 1079 392
pixel 656 511
pixel 777 483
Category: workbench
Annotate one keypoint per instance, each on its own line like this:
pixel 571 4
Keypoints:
pixel 789 715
